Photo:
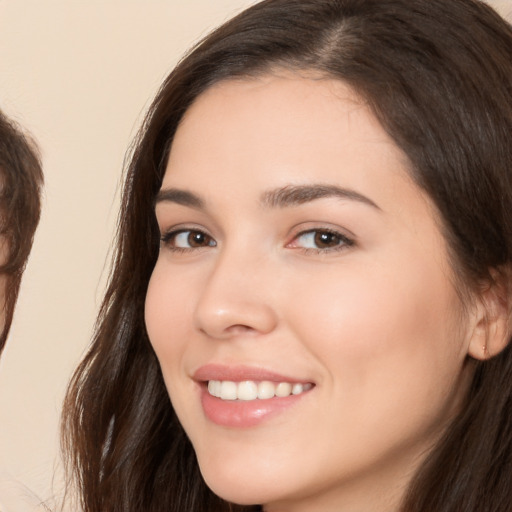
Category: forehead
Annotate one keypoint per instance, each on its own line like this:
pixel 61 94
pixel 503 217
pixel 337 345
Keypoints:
pixel 278 121
pixel 281 129
pixel 269 103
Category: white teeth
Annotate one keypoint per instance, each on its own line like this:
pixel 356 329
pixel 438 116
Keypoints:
pixel 228 390
pixel 297 389
pixel 212 387
pixel 251 390
pixel 266 390
pixel 283 389
pixel 247 390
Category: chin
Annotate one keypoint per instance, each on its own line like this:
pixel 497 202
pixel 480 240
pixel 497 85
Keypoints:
pixel 247 488
pixel 240 493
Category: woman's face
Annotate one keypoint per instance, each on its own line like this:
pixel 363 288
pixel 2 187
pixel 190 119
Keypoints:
pixel 302 271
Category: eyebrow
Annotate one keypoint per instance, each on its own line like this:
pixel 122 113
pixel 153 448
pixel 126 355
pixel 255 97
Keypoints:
pixel 293 195
pixel 178 196
pixel 290 195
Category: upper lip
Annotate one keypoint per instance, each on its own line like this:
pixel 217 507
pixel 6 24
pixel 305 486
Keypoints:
pixel 238 373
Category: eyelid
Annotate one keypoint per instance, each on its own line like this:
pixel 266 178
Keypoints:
pixel 183 226
pixel 347 240
pixel 168 234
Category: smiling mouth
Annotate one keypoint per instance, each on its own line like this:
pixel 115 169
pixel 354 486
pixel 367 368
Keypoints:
pixel 249 390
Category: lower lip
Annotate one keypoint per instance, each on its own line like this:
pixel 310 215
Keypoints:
pixel 243 414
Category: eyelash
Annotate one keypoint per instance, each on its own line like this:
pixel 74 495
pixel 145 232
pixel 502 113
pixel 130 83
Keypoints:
pixel 169 237
pixel 344 242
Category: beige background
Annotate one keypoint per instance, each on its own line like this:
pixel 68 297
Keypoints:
pixel 78 75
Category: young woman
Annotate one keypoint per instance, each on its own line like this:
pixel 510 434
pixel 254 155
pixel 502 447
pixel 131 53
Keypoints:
pixel 309 308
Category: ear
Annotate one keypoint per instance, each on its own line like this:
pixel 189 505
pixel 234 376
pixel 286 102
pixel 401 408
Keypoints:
pixel 492 317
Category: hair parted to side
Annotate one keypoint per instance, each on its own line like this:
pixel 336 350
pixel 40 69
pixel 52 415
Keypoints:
pixel 21 181
pixel 438 76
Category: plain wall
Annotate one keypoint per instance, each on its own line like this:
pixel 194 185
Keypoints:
pixel 78 75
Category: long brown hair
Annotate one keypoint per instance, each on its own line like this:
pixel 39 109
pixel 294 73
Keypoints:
pixel 21 180
pixel 438 76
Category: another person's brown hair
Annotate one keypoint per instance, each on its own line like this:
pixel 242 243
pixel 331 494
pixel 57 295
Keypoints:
pixel 21 180
pixel 438 76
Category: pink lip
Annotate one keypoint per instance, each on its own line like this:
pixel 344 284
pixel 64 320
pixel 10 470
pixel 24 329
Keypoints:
pixel 239 373
pixel 239 413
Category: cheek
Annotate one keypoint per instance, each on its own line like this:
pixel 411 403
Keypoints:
pixel 168 304
pixel 390 352
pixel 382 332
pixel 168 313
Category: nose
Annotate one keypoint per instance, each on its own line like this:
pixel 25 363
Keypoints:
pixel 236 299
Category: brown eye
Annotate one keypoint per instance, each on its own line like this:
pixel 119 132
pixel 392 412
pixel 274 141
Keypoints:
pixel 198 239
pixel 325 239
pixel 321 240
pixel 188 239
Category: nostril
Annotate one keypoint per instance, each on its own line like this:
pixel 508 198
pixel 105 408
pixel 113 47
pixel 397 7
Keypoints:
pixel 240 329
pixel 232 330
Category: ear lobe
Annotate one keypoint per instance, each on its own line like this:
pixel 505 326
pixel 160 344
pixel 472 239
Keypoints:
pixel 492 328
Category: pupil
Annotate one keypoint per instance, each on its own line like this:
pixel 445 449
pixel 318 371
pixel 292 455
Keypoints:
pixel 323 239
pixel 196 239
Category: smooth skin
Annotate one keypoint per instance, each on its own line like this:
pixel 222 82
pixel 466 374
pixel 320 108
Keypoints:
pixel 352 291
